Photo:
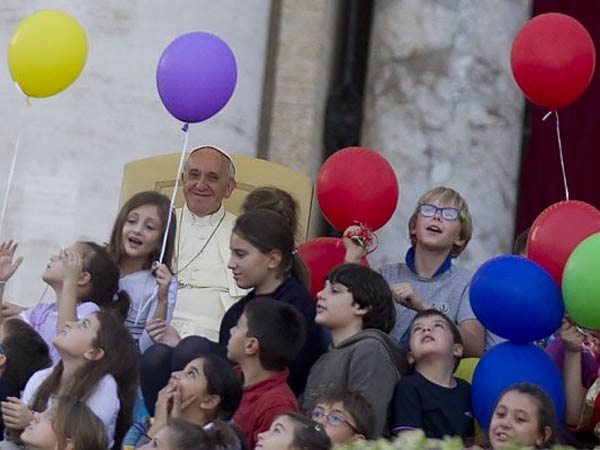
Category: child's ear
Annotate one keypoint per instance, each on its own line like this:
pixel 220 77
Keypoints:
pixel 546 437
pixel 94 354
pixel 252 346
pixel 359 310
pixel 275 259
pixel 210 402
pixel 410 358
pixel 457 351
pixel 84 278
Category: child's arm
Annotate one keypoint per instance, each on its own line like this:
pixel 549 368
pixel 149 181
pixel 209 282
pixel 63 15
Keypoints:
pixel 66 302
pixel 8 266
pixel 574 390
pixel 473 337
pixel 354 251
pixel 146 339
pixel 163 279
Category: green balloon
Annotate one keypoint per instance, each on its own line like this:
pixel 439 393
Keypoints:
pixel 581 283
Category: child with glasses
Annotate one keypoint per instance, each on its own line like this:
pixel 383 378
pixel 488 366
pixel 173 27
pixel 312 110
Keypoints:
pixel 431 398
pixel 439 229
pixel 345 415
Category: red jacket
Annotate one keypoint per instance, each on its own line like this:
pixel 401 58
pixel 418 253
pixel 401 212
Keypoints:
pixel 262 403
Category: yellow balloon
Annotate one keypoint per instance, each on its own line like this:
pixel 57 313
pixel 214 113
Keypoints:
pixel 465 369
pixel 46 53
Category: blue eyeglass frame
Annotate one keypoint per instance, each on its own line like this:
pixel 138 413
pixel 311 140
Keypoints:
pixel 460 215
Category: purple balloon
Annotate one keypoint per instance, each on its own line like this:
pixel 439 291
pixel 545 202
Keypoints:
pixel 196 76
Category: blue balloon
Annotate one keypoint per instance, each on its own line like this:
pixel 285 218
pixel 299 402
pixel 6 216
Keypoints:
pixel 507 364
pixel 516 299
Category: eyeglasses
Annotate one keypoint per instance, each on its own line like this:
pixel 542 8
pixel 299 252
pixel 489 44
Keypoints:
pixel 448 213
pixel 334 419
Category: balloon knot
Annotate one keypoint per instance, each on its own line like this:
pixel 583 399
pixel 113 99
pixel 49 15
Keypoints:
pixel 185 127
pixel 363 237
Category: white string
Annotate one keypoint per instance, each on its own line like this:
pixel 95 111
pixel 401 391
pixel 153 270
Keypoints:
pixel 12 169
pixel 185 129
pixel 560 152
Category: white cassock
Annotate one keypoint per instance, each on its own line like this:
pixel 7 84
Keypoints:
pixel 206 286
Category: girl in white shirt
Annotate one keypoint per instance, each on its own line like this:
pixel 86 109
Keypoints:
pixel 98 366
pixel 135 244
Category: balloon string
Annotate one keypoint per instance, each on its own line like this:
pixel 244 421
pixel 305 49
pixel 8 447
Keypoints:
pixel 185 130
pixel 12 170
pixel 560 152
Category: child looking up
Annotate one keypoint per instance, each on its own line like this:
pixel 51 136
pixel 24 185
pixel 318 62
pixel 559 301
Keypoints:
pixel 356 306
pixel 440 229
pixel 98 367
pixel 91 285
pixel 207 389
pixel 181 435
pixel 431 398
pixel 135 245
pixel 67 425
pixel 524 416
pixel 267 337
pixel 293 431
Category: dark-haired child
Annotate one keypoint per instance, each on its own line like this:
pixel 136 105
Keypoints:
pixel 293 431
pixel 268 335
pixel 345 415
pixel 22 353
pixel 356 305
pixel 431 398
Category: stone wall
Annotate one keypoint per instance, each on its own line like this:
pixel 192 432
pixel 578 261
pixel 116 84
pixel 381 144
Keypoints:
pixel 442 106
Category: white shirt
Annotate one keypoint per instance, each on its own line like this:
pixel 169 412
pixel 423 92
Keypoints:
pixel 206 286
pixel 104 401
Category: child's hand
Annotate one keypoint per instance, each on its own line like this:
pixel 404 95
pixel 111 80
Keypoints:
pixel 16 414
pixel 354 251
pixel 8 265
pixel 72 265
pixel 571 336
pixel 406 296
pixel 163 279
pixel 164 405
pixel 178 404
pixel 161 332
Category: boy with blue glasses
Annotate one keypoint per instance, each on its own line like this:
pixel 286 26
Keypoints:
pixel 439 229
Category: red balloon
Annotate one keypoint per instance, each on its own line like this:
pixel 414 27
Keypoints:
pixel 320 255
pixel 357 185
pixel 557 231
pixel 553 59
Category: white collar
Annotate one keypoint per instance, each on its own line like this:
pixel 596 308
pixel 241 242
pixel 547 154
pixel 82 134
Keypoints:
pixel 209 220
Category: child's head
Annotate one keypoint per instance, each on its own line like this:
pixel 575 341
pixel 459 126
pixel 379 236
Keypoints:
pixel 182 435
pixel 520 244
pixel 214 384
pixel 262 246
pixel 23 352
pixel 441 219
pixel 345 415
pixel 139 229
pixel 524 414
pixel 67 425
pixel 274 199
pixel 99 278
pixel 99 345
pixel 293 431
pixel 355 293
pixel 433 334
pixel 268 329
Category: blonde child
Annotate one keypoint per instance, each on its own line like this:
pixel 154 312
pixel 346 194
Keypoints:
pixel 439 228
pixel 67 425
pixel 135 245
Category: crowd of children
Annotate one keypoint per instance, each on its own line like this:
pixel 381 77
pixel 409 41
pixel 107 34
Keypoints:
pixel 373 355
